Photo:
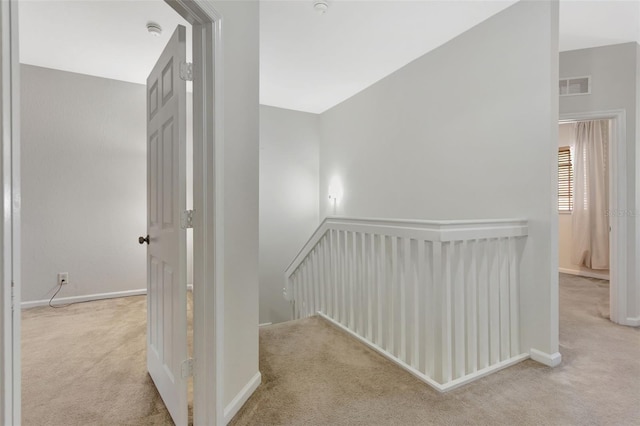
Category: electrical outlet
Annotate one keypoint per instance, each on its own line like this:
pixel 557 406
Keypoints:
pixel 63 278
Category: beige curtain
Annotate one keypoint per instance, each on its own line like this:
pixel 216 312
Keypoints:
pixel 590 221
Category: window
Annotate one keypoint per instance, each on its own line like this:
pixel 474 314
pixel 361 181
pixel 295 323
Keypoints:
pixel 565 180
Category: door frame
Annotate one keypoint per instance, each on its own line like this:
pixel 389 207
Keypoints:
pixel 618 238
pixel 208 204
pixel 10 385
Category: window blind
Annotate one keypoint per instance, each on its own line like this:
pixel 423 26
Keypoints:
pixel 565 180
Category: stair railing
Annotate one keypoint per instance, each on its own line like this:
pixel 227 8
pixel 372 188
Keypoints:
pixel 439 298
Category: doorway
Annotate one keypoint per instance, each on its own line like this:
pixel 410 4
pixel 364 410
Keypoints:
pixel 583 204
pixel 615 202
pixel 85 200
pixel 207 42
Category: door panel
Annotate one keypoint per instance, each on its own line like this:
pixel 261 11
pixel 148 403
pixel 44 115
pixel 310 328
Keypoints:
pixel 166 252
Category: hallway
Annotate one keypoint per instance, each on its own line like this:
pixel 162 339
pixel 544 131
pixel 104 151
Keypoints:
pixel 315 374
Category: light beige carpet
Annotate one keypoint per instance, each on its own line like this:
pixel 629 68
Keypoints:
pixel 315 374
pixel 85 365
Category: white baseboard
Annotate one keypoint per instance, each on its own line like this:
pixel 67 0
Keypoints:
pixel 85 298
pixel 551 360
pixel 418 374
pixel 190 287
pixel 633 322
pixel 264 324
pixel 484 372
pixel 582 273
pixel 236 404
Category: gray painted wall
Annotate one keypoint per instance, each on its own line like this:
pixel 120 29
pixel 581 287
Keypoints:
pixel 468 131
pixel 84 137
pixel 615 84
pixel 83 183
pixel 289 171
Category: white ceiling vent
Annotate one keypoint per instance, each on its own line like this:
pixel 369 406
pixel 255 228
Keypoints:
pixel 575 86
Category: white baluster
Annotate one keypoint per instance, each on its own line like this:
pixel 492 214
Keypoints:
pixel 505 344
pixel 378 285
pixel 370 283
pixel 403 276
pixel 361 301
pixel 351 246
pixel 430 315
pixel 308 286
pixel 447 326
pixel 326 280
pixel 344 255
pixel 337 290
pixel 483 304
pixel 309 279
pixel 514 318
pixel 406 329
pixel 393 296
pixel 458 304
pixel 472 307
pixel 334 274
pixel 494 303
pixel 310 295
pixel 316 280
pixel 438 311
pixel 305 291
pixel 298 301
pixel 339 283
pixel 322 284
pixel 294 295
pixel 346 282
pixel 416 297
pixel 383 295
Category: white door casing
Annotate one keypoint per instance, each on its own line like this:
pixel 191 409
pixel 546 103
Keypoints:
pixel 10 385
pixel 166 250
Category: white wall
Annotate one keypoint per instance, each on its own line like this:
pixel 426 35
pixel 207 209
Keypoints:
pixel 565 234
pixel 63 158
pixel 615 84
pixel 240 25
pixel 468 131
pixel 289 171
pixel 83 183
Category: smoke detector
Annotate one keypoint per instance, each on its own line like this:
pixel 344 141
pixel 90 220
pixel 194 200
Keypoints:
pixel 154 29
pixel 321 6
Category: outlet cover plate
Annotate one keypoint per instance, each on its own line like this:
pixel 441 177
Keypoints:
pixel 63 278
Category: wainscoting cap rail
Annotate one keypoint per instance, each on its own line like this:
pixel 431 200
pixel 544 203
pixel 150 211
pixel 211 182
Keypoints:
pixel 428 230
pixel 459 222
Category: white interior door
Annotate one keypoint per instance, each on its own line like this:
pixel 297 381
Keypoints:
pixel 166 250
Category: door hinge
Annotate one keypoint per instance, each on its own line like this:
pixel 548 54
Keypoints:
pixel 187 368
pixel 186 71
pixel 187 219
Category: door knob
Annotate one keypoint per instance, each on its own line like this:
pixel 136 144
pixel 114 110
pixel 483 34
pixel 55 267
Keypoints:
pixel 143 240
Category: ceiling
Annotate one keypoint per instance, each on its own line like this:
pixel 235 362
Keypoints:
pixel 598 23
pixel 311 62
pixel 95 37
pixel 308 62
